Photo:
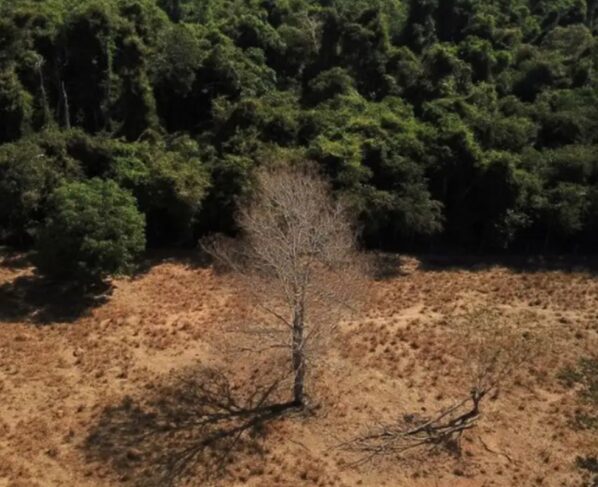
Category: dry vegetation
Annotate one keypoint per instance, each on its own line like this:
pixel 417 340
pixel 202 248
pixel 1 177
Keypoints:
pixel 138 389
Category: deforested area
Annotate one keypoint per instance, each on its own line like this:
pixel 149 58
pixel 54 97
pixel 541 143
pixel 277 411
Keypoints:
pixel 298 243
pixel 138 390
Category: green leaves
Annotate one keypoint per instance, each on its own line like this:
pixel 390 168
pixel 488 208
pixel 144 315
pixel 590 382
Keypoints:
pixel 15 107
pixel 169 181
pixel 375 155
pixel 473 120
pixel 93 230
pixel 29 172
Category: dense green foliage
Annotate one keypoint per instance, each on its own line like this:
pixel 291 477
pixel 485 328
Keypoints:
pixel 464 122
pixel 93 229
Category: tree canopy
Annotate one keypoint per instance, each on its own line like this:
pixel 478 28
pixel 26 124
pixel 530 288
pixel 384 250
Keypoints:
pixel 93 230
pixel 471 123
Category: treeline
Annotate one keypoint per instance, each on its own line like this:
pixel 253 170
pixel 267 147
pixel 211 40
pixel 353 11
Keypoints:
pixel 471 123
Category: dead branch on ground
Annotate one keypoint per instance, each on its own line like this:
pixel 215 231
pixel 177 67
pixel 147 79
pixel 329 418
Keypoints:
pixel 412 431
pixel 490 350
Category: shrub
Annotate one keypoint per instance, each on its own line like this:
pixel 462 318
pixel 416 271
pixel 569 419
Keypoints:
pixel 93 230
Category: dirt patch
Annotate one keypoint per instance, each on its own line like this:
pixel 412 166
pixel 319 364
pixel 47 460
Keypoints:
pixel 61 381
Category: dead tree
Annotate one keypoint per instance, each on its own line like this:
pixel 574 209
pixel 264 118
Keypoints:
pixel 297 260
pixel 489 350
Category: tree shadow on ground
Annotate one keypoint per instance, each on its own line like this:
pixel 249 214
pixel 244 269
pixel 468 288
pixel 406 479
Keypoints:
pixel 39 300
pixel 385 266
pixel 516 263
pixel 33 298
pixel 196 424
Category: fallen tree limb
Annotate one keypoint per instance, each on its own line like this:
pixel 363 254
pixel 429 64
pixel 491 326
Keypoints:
pixel 442 429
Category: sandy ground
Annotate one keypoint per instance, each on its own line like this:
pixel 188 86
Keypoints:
pixel 88 390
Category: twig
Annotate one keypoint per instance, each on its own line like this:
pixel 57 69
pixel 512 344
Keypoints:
pixel 488 449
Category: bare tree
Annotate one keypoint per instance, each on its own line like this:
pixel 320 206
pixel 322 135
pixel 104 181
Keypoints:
pixel 297 260
pixel 489 348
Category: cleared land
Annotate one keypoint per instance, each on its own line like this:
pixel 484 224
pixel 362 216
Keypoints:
pixel 103 392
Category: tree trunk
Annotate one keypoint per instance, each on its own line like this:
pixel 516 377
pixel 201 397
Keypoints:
pixel 298 357
pixel 67 108
pixel 106 104
pixel 42 89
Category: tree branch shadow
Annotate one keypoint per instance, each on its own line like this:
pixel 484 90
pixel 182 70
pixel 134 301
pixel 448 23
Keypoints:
pixel 385 266
pixel 194 425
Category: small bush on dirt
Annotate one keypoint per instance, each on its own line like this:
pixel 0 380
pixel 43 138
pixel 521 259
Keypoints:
pixel 585 377
pixel 93 230
pixel 589 467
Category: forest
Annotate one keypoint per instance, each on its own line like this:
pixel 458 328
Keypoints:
pixel 463 124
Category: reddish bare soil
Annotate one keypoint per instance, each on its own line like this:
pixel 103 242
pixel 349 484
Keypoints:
pixel 65 372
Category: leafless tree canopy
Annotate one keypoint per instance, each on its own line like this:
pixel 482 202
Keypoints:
pixel 297 260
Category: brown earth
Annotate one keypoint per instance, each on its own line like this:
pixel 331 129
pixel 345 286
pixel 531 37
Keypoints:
pixel 77 374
